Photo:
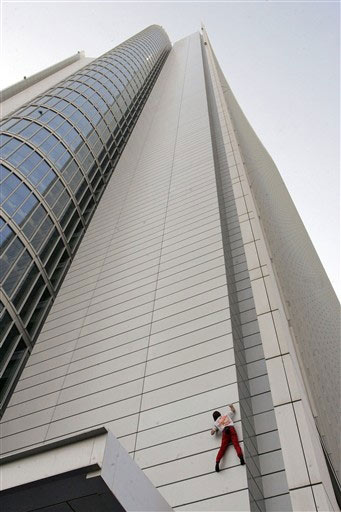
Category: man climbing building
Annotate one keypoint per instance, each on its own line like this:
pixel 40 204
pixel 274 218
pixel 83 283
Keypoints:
pixel 225 425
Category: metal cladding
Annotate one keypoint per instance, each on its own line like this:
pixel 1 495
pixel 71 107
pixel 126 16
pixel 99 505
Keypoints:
pixel 58 153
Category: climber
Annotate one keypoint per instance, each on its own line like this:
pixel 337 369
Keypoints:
pixel 225 425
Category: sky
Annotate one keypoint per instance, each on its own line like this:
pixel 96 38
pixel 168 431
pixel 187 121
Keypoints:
pixel 280 59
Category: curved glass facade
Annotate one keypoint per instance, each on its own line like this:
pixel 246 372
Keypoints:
pixel 57 154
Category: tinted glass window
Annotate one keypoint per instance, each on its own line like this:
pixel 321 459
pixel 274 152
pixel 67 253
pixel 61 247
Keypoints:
pixel 34 221
pixel 25 210
pixel 30 163
pixel 4 139
pixel 9 257
pixel 46 182
pixel 8 186
pixel 4 172
pixel 6 236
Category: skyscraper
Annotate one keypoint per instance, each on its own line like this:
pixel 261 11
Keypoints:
pixel 140 205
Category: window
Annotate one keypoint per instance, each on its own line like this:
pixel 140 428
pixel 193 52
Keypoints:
pixel 39 172
pixel 56 152
pixel 30 163
pixel 48 144
pixel 61 203
pixel 34 294
pixel 31 129
pixel 47 116
pixel 4 172
pixel 4 139
pixel 41 234
pixel 23 290
pixel 6 236
pixel 15 275
pixel 54 193
pixel 63 160
pixel 40 136
pixel 46 182
pixel 15 362
pixel 8 186
pixel 33 222
pixel 17 127
pixel 25 210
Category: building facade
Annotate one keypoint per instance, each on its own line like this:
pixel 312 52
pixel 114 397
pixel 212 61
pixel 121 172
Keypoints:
pixel 58 154
pixel 155 269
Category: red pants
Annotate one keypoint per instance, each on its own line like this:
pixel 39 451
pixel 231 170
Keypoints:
pixel 229 435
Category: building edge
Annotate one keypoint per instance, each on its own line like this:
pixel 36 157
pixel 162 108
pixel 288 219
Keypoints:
pixel 261 179
pixel 25 90
pixel 20 86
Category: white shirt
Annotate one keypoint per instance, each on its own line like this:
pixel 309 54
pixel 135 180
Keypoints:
pixel 224 421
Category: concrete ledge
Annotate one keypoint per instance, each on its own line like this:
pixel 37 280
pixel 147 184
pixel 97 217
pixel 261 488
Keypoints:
pixel 57 444
pixel 91 471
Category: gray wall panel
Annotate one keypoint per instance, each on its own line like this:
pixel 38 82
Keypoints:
pixel 139 337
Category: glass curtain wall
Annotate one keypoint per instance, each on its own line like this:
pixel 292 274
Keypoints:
pixel 57 155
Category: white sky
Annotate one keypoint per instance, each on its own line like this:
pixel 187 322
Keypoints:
pixel 280 59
